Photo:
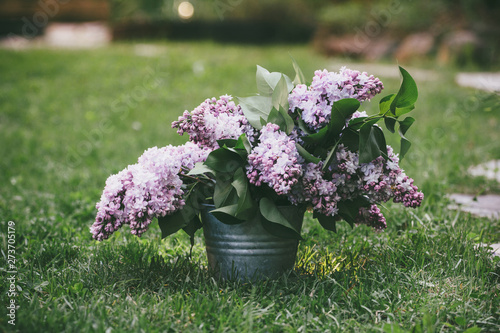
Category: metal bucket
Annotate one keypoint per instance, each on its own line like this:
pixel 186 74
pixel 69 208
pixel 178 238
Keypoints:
pixel 245 251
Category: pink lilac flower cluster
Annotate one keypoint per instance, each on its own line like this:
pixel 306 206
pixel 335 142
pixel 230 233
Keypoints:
pixel 274 160
pixel 212 120
pixel 143 191
pixel 315 101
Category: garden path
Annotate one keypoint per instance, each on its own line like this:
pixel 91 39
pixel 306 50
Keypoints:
pixel 483 205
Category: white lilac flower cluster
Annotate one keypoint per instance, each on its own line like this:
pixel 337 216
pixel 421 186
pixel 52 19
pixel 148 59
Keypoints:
pixel 143 191
pixel 274 161
pixel 315 102
pixel 212 120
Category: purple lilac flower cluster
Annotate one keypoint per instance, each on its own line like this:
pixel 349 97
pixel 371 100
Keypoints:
pixel 143 191
pixel 315 190
pixel 274 161
pixel 372 217
pixel 379 181
pixel 315 101
pixel 213 120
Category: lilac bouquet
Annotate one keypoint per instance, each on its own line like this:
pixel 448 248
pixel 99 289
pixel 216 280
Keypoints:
pixel 291 148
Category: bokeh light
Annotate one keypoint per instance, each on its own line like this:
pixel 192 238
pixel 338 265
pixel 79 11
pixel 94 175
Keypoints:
pixel 185 10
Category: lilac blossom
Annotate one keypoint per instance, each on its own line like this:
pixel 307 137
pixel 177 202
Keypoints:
pixel 315 102
pixel 372 217
pixel 274 161
pixel 151 188
pixel 407 193
pixel 316 191
pixel 213 120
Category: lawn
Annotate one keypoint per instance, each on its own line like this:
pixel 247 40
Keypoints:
pixel 69 119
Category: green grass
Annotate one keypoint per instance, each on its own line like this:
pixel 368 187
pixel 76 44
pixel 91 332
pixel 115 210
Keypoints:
pixel 69 119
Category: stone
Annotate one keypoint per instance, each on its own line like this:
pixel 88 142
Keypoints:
pixel 482 206
pixel 458 45
pixel 347 45
pixel 495 248
pixel 77 35
pixel 484 81
pixel 415 45
pixel 357 47
pixel 379 48
pixel 490 170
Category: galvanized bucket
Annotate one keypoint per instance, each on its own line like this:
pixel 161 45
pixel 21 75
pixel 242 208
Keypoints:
pixel 245 251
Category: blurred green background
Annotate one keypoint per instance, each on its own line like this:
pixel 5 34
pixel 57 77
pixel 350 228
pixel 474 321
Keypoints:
pixel 463 32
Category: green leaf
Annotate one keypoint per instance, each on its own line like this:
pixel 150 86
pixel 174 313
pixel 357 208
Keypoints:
pixel 227 214
pixel 170 224
pixel 275 117
pixel 224 160
pixel 349 209
pixel 288 225
pixel 473 329
pixel 405 146
pixel 356 123
pixel 266 82
pixel 224 192
pixel 385 103
pixel 328 135
pixel 402 111
pixel 244 144
pixel 282 119
pixel 299 76
pixel 263 121
pixel 371 143
pixel 327 222
pixel 241 152
pixel 346 106
pixel 256 107
pixel 350 139
pixel 390 122
pixel 280 94
pixel 329 158
pixel 405 143
pixel 341 110
pixel 306 155
pixel 303 126
pixel 405 124
pixel 240 182
pixel 288 120
pixel 246 206
pixel 407 94
pixel 316 138
pixel 192 227
pixel 320 151
pixel 199 169
pixel 227 142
